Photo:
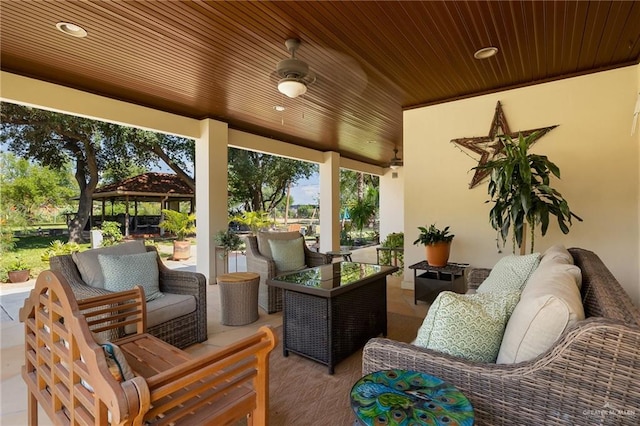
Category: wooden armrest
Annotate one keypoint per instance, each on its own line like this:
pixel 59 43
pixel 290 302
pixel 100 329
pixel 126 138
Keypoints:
pixel 115 310
pixel 218 381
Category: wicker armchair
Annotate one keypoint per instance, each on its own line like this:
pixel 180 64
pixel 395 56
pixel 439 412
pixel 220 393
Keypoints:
pixel 589 376
pixel 270 298
pixel 182 331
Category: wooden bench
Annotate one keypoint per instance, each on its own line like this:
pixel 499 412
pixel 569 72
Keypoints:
pixel 170 387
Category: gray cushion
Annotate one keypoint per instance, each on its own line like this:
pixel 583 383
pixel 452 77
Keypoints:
pixel 166 308
pixel 123 272
pixel 87 261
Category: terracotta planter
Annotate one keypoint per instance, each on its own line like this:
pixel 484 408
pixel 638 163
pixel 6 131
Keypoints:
pixel 19 276
pixel 181 250
pixel 438 253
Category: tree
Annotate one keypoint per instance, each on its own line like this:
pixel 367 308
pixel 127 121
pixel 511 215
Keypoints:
pixel 27 189
pixel 362 210
pixel 54 140
pixel 259 181
pixel 359 195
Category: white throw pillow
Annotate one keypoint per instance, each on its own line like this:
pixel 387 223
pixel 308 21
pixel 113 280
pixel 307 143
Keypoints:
pixel 549 304
pixel 467 326
pixel 89 267
pixel 264 237
pixel 288 254
pixel 557 254
pixel 510 273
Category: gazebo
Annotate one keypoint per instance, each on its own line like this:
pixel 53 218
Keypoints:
pixel 165 188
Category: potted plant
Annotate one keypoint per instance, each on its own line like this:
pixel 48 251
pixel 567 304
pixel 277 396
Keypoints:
pixel 520 192
pixel 229 241
pixel 437 243
pixel 18 271
pixel 181 225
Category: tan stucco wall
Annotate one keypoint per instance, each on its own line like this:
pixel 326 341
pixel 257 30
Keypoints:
pixel 592 146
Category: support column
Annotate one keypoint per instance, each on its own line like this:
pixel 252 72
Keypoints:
pixel 211 193
pixel 330 202
pixel 392 214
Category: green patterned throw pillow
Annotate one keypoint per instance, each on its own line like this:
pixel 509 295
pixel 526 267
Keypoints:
pixel 510 273
pixel 469 326
pixel 288 254
pixel 123 272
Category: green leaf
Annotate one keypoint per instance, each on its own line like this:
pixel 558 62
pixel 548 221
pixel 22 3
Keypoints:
pixel 554 169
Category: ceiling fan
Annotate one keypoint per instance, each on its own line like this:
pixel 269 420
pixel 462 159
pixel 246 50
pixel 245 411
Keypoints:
pixel 395 162
pixel 294 74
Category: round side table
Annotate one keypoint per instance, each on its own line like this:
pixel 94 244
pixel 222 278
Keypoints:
pixel 239 297
pixel 346 254
pixel 402 397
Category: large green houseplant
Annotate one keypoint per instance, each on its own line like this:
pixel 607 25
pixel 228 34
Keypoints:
pixel 520 192
pixel 437 244
pixel 181 225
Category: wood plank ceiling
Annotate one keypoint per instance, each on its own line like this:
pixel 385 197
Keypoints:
pixel 372 58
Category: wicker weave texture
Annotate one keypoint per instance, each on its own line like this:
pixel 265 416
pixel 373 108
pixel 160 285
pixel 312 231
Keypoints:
pixel 239 301
pixel 180 332
pixel 589 376
pixel 328 330
pixel 270 298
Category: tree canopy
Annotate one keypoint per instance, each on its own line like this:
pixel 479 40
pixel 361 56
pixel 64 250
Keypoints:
pixel 91 147
pixel 27 189
pixel 259 181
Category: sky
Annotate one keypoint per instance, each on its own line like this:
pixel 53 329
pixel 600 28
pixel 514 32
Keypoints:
pixel 306 191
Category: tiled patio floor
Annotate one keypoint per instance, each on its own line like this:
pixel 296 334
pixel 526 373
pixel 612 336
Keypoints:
pixel 13 391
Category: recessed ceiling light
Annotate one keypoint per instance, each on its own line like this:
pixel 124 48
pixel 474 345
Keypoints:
pixel 279 108
pixel 485 52
pixel 71 29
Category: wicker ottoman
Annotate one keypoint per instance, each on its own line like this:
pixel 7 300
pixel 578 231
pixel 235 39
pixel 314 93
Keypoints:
pixel 239 297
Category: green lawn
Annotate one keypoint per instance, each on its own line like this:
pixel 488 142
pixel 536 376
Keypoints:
pixel 30 249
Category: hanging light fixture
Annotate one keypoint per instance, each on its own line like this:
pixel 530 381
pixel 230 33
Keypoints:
pixel 292 87
pixel 294 73
pixel 395 162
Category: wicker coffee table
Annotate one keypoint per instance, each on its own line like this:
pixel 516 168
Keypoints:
pixel 331 311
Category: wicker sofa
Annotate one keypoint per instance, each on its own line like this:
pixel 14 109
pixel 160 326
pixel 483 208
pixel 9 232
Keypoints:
pixel 589 376
pixel 260 261
pixel 181 331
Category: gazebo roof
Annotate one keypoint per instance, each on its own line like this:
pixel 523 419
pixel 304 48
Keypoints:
pixel 150 185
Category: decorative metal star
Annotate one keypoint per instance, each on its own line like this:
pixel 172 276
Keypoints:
pixel 489 147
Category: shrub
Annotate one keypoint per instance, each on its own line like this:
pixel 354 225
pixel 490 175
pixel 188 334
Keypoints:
pixel 7 240
pixel 58 248
pixel 111 233
pixel 394 240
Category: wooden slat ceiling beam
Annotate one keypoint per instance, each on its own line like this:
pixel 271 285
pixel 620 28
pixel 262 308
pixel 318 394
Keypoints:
pixel 372 58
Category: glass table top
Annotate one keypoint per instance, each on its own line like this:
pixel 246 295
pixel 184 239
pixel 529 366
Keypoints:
pixel 333 275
